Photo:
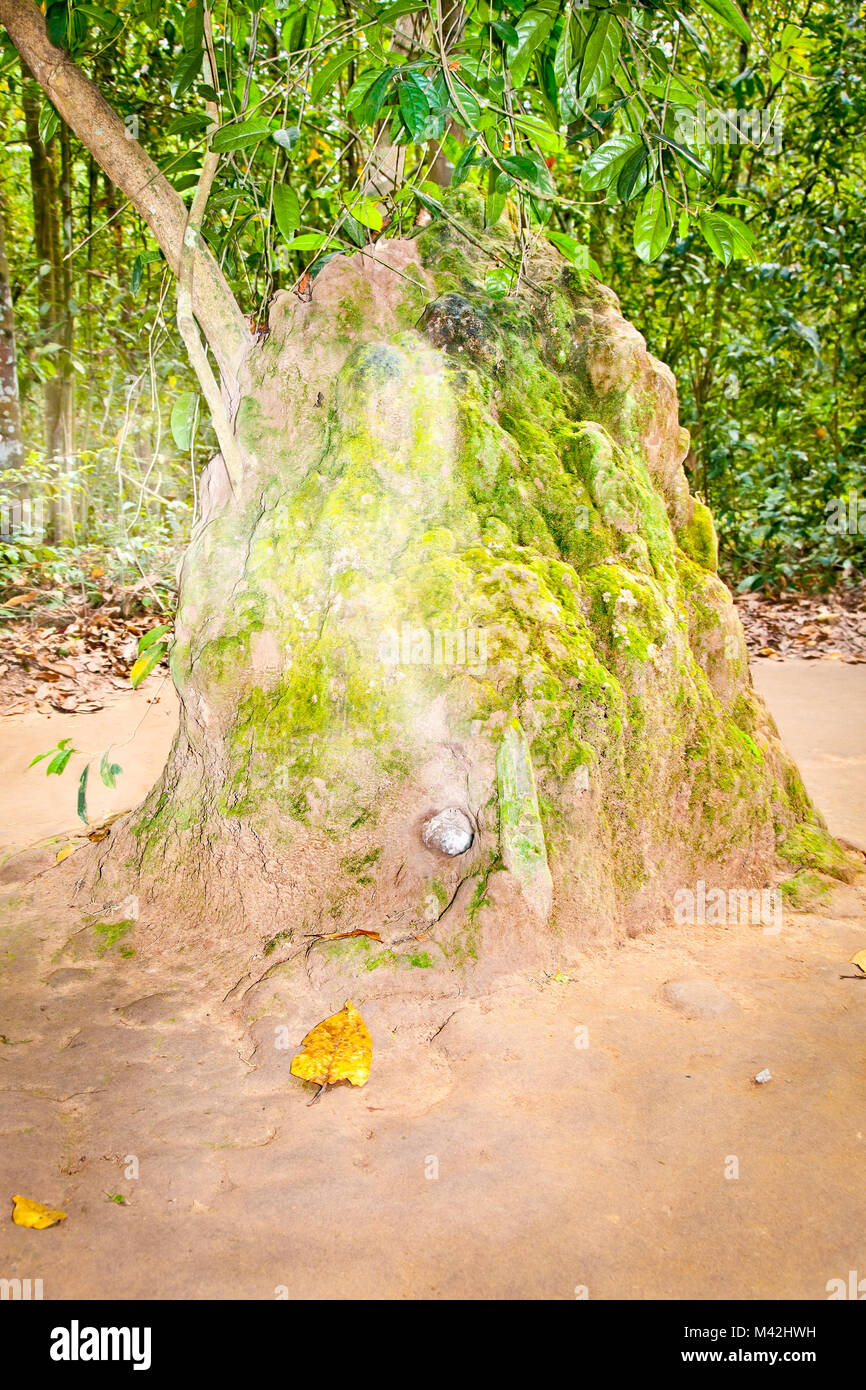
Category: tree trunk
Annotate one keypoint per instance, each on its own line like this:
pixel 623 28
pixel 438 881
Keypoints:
pixel 11 441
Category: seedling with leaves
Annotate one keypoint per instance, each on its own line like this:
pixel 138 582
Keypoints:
pixel 59 760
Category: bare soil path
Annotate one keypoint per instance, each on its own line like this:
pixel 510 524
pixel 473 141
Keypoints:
pixel 599 1131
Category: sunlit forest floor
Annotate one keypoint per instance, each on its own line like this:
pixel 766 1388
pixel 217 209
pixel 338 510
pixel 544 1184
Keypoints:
pixel 595 1130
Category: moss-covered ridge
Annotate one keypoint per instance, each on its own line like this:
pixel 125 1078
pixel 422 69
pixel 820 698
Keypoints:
pixel 425 468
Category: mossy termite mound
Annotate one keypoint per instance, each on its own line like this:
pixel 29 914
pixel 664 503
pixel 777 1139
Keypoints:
pixel 464 573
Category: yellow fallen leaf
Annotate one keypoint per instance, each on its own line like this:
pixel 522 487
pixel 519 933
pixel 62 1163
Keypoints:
pixel 859 959
pixel 64 853
pixel 34 1215
pixel 338 1049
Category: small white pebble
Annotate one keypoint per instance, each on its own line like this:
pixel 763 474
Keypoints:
pixel 763 1076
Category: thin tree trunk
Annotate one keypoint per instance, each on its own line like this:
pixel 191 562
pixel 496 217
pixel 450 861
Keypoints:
pixel 11 440
pixel 64 443
pixel 43 187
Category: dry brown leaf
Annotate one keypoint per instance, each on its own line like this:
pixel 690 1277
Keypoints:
pixel 341 935
pixel 859 959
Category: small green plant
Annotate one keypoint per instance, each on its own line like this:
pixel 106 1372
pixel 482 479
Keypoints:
pixel 59 756
pixel 59 760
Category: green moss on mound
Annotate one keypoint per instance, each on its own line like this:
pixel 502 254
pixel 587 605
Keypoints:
pixel 504 468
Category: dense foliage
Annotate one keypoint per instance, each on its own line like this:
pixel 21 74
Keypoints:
pixel 702 158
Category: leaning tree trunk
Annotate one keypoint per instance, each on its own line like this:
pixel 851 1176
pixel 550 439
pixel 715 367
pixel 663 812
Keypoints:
pixel 455 665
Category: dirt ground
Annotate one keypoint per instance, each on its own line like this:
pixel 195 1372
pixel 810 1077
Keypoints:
pixel 595 1133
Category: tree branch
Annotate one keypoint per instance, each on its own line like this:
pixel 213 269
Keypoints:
pixel 103 133
pixel 192 242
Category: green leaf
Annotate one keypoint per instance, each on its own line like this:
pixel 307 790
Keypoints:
pixel 497 187
pixel 728 238
pixel 59 761
pixel 399 8
pixel 602 168
pixel 287 210
pixel 498 282
pixel 153 636
pixel 373 98
pixel 49 122
pixel 241 134
pixel 532 27
pixel 468 105
pixel 653 226
pixel 600 55
pixel 327 75
pixel 108 771
pixel 566 61
pixel 686 154
pixel 193 27
pixel 573 250
pixel 185 73
pixel 145 664
pixel 82 793
pixel 414 107
pixel 56 20
pixel 632 176
pixel 286 138
pixel 507 33
pixel 540 131
pixel 464 164
pixel 360 87
pixel 101 16
pixel 731 15
pixel 182 416
pixel 191 120
pixel 367 212
pixel 308 241
pixel 354 231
